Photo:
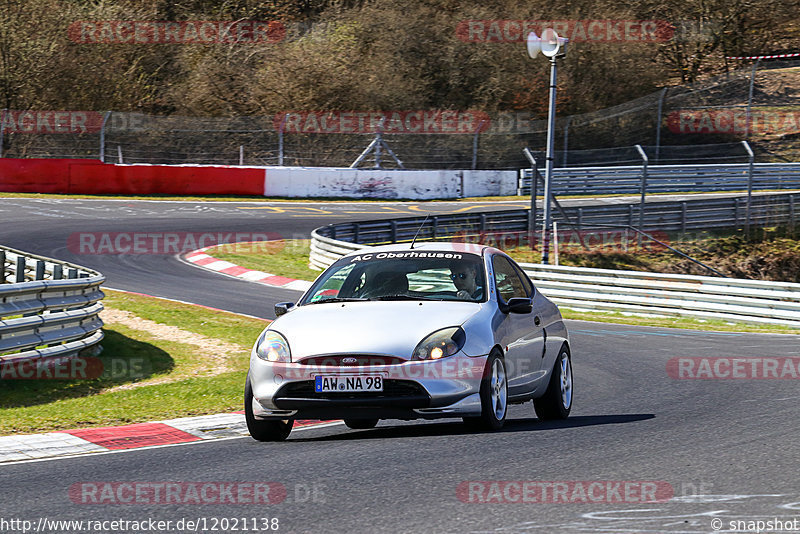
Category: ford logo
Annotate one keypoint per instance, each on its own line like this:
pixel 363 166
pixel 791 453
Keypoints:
pixel 349 361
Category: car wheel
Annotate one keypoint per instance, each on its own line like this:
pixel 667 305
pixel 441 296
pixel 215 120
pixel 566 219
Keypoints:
pixel 494 396
pixel 263 430
pixel 556 403
pixel 360 424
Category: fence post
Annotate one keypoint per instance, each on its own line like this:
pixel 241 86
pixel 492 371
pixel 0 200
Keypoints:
pixel 791 212
pixel 751 158
pixel 119 154
pixel 475 145
pixel 658 122
pixel 2 127
pixel 532 212
pixel 280 138
pixel 644 192
pixel 106 115
pixel 241 155
pixel 566 141
pixel 750 98
pixel 555 241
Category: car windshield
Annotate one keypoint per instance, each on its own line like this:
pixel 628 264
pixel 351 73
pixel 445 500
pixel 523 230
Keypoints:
pixel 402 275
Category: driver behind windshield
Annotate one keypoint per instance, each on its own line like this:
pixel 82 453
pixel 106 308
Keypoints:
pixel 465 277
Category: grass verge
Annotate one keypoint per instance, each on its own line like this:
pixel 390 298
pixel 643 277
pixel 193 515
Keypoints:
pixel 175 381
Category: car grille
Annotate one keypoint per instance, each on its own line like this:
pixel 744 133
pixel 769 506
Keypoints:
pixel 391 388
pixel 361 360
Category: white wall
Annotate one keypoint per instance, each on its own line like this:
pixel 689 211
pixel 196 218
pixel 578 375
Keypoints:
pixel 315 182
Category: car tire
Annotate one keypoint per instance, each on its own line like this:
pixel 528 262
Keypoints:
pixel 494 396
pixel 556 403
pixel 263 430
pixel 361 424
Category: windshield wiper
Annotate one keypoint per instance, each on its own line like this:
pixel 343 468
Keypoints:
pixel 339 299
pixel 398 297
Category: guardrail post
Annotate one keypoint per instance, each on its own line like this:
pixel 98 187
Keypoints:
pixel 356 228
pixel 20 272
pixel 434 227
pixel 393 230
pixel 2 266
pixel 72 273
pixel 103 136
pixel 751 159
pixel 683 217
pixel 333 230
pixel 58 271
pixel 736 211
pixel 644 191
pixel 39 270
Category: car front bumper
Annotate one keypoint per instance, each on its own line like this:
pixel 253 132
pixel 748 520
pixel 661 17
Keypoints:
pixel 449 387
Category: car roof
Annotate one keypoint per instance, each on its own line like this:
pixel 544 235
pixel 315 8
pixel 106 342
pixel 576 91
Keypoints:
pixel 439 246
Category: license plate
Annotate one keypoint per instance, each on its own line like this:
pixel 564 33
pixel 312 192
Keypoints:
pixel 348 384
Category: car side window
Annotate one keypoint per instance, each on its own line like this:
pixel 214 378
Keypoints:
pixel 508 282
pixel 526 281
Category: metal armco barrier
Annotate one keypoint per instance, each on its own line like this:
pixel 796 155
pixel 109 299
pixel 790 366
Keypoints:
pixel 48 308
pixel 702 297
pixel 602 289
pixel 627 180
pixel 329 242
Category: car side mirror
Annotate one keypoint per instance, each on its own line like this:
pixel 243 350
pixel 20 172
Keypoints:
pixel 282 308
pixel 519 305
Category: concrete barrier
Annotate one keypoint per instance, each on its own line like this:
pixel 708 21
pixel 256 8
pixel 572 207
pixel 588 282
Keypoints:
pixel 93 177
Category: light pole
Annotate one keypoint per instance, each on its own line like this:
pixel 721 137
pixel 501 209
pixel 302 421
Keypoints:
pixel 553 47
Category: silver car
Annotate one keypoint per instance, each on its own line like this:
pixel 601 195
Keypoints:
pixel 428 331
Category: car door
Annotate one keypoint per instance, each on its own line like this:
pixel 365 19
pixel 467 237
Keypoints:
pixel 518 333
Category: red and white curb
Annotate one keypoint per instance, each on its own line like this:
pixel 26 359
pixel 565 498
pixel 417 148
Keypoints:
pixel 201 259
pixel 135 436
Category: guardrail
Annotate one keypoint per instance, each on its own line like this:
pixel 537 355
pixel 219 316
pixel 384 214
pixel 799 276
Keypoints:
pixel 48 308
pixel 666 216
pixel 603 289
pixel 627 179
pixel 704 297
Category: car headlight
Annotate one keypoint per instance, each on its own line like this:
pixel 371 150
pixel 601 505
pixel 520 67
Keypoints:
pixel 273 347
pixel 441 344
